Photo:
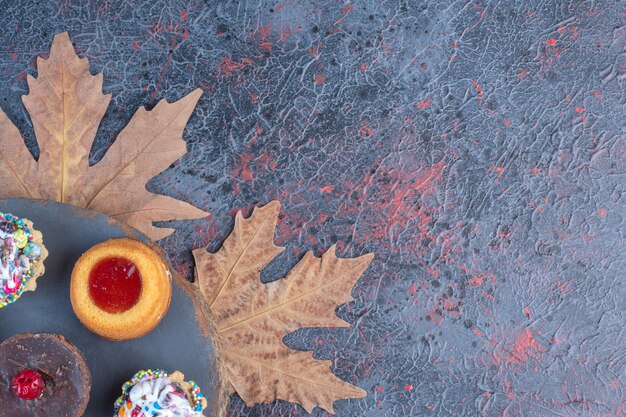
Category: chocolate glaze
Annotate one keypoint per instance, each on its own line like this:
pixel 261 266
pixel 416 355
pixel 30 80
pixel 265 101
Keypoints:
pixel 62 367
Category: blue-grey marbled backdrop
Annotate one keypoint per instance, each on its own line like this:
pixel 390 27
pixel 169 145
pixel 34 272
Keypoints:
pixel 477 147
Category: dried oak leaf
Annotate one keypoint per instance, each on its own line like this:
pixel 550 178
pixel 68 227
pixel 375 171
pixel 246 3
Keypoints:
pixel 252 318
pixel 66 105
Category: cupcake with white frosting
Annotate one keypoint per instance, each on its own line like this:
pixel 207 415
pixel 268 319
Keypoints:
pixel 155 393
pixel 21 257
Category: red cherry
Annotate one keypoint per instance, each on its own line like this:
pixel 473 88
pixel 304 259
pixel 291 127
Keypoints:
pixel 27 384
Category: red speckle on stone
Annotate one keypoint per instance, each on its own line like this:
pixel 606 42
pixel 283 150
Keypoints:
pixel 476 281
pixel 255 99
pixel 528 312
pixel 347 9
pixel 365 131
pixel 479 89
pixel 363 67
pixel 523 348
pixel 204 233
pixel 246 172
pixel 477 332
pixel 433 271
pixel 536 206
pixel 567 97
pixel 243 171
pixel 498 169
pixel 408 387
pixel 580 110
pixel 602 212
pixel 319 78
pixel 523 74
pixel 400 208
pixel 598 95
pixel 314 50
pixel 507 122
pixel 379 389
pixel 206 86
pixel 264 32
pixel 266 160
pixel 284 34
pixel 327 189
pixel 551 42
pixel 507 389
pixel 228 66
pixel 562 286
pixel 423 104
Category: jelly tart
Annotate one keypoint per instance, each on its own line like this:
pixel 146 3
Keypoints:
pixel 120 289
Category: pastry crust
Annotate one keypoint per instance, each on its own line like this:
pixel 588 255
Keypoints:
pixel 179 377
pixel 38 268
pixel 154 299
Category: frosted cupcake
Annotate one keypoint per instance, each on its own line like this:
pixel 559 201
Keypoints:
pixel 21 257
pixel 154 393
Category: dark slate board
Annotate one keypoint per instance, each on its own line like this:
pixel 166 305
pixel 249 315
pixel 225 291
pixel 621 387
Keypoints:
pixel 177 342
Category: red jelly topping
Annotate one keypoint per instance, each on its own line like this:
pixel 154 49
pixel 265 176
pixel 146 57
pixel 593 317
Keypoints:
pixel 115 284
pixel 28 384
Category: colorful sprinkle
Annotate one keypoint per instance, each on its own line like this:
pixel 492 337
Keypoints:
pixel 21 236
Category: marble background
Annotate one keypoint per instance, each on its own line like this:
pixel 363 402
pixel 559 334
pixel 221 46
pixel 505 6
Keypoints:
pixel 477 147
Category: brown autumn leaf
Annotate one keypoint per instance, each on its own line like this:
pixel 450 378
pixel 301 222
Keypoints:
pixel 66 105
pixel 252 318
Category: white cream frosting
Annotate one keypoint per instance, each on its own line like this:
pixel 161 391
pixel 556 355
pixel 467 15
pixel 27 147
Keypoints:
pixel 158 397
pixel 9 253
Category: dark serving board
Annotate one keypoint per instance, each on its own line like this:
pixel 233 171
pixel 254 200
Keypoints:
pixel 179 342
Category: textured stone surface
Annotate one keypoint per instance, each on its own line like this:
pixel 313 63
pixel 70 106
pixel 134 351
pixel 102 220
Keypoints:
pixel 478 148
